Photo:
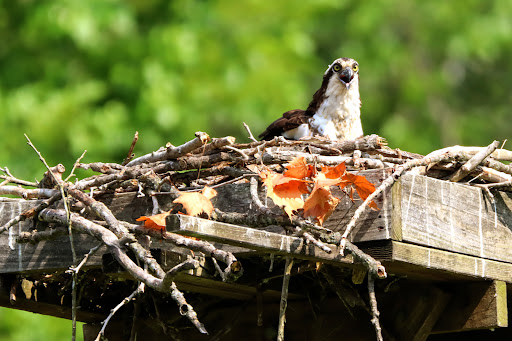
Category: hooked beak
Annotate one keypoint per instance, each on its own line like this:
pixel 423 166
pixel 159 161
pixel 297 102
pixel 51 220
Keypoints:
pixel 346 76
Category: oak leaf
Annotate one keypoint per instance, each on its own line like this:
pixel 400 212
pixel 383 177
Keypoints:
pixel 156 222
pixel 284 191
pixel 196 203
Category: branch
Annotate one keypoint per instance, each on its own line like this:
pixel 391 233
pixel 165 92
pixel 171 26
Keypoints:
pixel 373 304
pixel 172 152
pixel 126 300
pixel 115 247
pixel 132 147
pixel 473 162
pixel 234 267
pixel 189 264
pixel 35 193
pixel 284 298
pixel 9 178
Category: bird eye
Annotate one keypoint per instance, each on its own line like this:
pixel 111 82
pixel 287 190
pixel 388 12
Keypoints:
pixel 355 67
pixel 336 67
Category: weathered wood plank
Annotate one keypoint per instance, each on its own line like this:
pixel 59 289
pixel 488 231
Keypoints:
pixel 402 258
pixel 250 238
pixel 454 217
pixel 43 256
pixel 414 311
pixel 372 225
pixel 475 306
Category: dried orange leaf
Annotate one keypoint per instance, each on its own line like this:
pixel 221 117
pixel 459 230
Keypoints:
pixel 196 203
pixel 284 191
pixel 299 169
pixel 362 186
pixel 320 204
pixel 156 221
pixel 334 172
pixel 321 180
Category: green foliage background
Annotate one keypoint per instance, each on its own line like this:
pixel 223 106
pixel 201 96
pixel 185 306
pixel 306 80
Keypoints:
pixel 78 75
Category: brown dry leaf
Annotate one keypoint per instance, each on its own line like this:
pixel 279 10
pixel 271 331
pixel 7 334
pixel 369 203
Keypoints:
pixel 196 203
pixel 284 191
pixel 334 172
pixel 321 180
pixel 299 169
pixel 156 222
pixel 363 187
pixel 320 204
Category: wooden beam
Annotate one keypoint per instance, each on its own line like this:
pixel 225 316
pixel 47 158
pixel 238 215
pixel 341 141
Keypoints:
pixel 414 311
pixel 451 216
pixel 423 262
pixel 250 238
pixel 475 306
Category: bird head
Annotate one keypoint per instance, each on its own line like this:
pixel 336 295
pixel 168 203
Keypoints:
pixel 345 69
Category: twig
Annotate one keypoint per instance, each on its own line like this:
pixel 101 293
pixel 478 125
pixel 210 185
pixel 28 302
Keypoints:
pixel 373 304
pixel 25 193
pixel 375 268
pixel 132 147
pixel 254 188
pixel 505 184
pixel 239 151
pixel 9 178
pixel 30 212
pixel 284 298
pixel 59 182
pixel 310 239
pixel 92 251
pixel 215 143
pixel 472 163
pixel 77 162
pixel 189 264
pixel 249 132
pixel 233 266
pixel 199 188
pixel 172 152
pixel 126 300
pixel 35 236
pixel 115 247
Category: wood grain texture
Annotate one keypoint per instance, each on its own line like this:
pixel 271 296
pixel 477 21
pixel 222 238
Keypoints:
pixel 454 217
pixel 413 313
pixel 406 258
pixel 43 256
pixel 480 305
pixel 250 238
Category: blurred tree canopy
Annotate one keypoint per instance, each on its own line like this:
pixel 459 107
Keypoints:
pixel 78 75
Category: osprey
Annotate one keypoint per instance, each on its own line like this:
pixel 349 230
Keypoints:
pixel 334 112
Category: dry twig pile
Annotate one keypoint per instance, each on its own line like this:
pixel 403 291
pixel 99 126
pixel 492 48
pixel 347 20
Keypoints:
pixel 202 163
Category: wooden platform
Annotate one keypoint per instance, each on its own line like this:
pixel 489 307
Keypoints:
pixel 441 235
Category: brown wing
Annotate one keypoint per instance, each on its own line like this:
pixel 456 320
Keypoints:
pixel 290 120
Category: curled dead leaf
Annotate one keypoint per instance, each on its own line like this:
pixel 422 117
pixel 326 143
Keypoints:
pixel 156 222
pixel 196 203
pixel 284 191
